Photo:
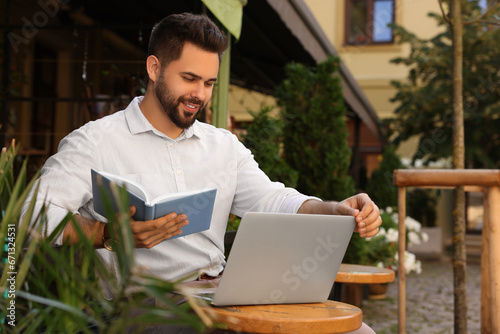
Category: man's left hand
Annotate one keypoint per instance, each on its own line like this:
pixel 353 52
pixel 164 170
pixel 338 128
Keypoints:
pixel 366 212
pixel 360 206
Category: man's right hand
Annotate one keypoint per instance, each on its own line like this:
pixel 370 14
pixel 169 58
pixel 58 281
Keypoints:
pixel 148 234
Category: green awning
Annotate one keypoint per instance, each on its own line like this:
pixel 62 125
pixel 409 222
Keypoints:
pixel 229 13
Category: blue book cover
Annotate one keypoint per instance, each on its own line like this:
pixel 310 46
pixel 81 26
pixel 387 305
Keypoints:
pixel 196 205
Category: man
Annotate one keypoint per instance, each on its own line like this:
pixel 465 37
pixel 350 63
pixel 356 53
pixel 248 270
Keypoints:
pixel 157 142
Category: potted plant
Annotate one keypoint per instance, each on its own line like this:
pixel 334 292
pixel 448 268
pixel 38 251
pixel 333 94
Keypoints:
pixel 58 289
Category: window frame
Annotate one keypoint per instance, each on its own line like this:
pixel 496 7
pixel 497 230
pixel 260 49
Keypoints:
pixel 370 4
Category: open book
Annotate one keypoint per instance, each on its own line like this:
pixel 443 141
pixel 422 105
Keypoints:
pixel 196 205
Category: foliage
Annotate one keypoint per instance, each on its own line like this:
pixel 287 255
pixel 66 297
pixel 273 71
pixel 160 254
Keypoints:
pixel 425 100
pixel 264 137
pixel 57 290
pixel 380 186
pixel 421 205
pixel 315 133
pixel 357 251
pixel 233 222
pixel 382 249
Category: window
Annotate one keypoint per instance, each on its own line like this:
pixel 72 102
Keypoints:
pixel 367 20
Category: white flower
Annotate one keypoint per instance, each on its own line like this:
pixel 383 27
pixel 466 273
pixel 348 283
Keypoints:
pixel 388 210
pixel 392 235
pixel 425 237
pixel 409 259
pixel 418 267
pixel 412 224
pixel 411 263
pixel 413 238
pixel 406 162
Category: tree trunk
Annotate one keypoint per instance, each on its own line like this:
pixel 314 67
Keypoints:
pixel 459 255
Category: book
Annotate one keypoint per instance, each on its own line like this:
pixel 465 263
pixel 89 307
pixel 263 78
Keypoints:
pixel 196 205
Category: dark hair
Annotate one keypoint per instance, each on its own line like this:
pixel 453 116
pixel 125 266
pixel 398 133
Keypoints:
pixel 170 34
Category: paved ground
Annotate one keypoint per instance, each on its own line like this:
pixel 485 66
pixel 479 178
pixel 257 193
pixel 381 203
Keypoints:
pixel 429 301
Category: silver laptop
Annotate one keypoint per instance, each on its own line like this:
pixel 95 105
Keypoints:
pixel 284 258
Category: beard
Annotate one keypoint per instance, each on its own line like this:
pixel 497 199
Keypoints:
pixel 170 105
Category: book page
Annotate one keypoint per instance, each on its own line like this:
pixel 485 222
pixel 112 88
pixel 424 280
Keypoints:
pixel 172 196
pixel 130 185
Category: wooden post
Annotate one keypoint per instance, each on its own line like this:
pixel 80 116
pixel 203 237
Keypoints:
pixel 494 227
pixel 220 102
pixel 401 262
pixel 490 260
pixel 485 269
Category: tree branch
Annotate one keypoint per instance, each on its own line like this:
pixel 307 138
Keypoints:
pixel 446 18
pixel 488 12
pixel 494 23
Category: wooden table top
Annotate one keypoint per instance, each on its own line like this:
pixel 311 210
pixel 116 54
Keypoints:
pixel 356 273
pixel 327 317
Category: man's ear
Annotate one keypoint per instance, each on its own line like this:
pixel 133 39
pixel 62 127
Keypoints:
pixel 153 67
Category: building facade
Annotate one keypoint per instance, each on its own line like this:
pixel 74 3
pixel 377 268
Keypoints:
pixel 358 30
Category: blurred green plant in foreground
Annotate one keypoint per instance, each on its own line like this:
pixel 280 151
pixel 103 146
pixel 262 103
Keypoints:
pixel 51 289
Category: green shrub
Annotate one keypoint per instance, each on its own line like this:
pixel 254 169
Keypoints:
pixel 380 185
pixel 264 137
pixel 421 205
pixel 315 133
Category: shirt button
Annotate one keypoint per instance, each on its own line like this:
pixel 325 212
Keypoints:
pixel 171 145
pixel 178 172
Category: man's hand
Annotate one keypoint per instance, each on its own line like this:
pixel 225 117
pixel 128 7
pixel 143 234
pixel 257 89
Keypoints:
pixel 148 234
pixel 365 211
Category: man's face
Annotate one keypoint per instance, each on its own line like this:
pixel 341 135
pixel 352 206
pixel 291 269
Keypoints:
pixel 185 86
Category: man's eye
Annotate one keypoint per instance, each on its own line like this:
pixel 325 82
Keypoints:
pixel 188 79
pixel 209 84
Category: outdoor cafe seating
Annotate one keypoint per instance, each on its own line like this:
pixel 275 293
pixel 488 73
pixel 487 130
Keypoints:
pixel 327 317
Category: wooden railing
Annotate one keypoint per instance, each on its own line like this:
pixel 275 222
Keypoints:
pixel 487 181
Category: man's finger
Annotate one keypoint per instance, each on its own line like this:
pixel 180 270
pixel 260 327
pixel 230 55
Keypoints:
pixel 345 210
pixel 132 209
pixel 369 234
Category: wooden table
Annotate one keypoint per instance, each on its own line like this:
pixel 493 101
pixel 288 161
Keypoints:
pixel 327 317
pixel 356 273
pixel 354 276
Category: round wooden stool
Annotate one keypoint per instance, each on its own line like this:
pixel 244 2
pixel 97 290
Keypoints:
pixel 356 273
pixel 327 317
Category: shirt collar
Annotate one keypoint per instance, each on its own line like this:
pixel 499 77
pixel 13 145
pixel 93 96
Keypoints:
pixel 138 123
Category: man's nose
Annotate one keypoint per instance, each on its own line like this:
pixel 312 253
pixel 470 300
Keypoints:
pixel 199 91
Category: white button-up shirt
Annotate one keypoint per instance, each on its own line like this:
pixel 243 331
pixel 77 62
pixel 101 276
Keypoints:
pixel 203 156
